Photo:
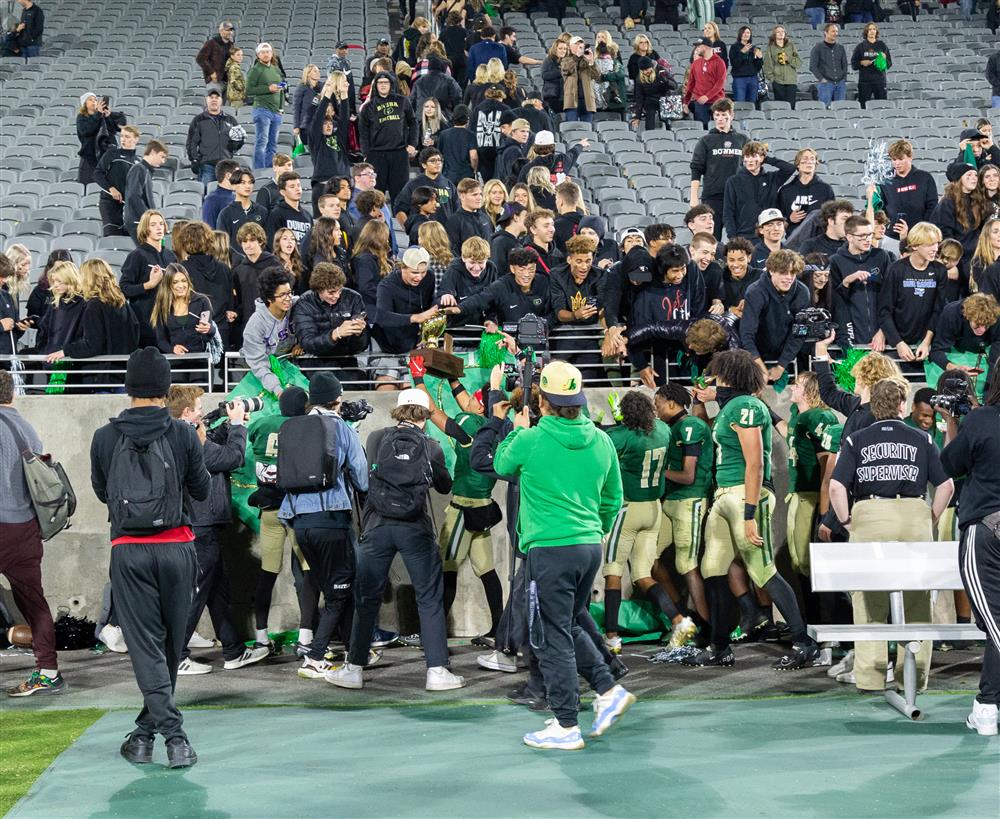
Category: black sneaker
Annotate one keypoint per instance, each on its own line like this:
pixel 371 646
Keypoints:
pixel 751 627
pixel 412 640
pixel 138 748
pixel 526 695
pixel 617 667
pixel 180 754
pixel 803 656
pixel 483 641
pixel 711 656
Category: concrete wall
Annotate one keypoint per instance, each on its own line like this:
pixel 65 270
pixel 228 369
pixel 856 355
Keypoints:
pixel 75 567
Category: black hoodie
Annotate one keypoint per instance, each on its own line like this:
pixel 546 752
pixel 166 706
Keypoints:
pixel 953 332
pixel 213 279
pixel 766 326
pixel 464 224
pixel 914 196
pixel 59 326
pixel 245 276
pixel 717 156
pixel 797 195
pixel 283 215
pixel 567 226
pixel 135 273
pixel 458 282
pixel 144 425
pixel 506 304
pixel 748 194
pixel 329 153
pixel 395 302
pixel 855 307
pixel 112 170
pixel 386 123
pixel 104 330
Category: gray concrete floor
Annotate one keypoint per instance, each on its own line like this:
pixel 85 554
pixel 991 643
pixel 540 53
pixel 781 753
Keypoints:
pixel 106 681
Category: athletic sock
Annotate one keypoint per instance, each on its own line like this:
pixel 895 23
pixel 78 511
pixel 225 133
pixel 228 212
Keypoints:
pixel 965 620
pixel 494 598
pixel 784 599
pixel 450 590
pixel 305 636
pixel 662 599
pixel 51 673
pixel 262 598
pixel 612 604
pixel 261 636
pixel 720 609
pixel 748 605
pixel 811 600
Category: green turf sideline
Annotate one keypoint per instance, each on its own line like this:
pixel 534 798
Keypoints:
pixel 30 741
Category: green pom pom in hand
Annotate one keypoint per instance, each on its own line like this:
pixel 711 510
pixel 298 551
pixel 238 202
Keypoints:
pixel 615 402
pixel 842 369
pixel 490 351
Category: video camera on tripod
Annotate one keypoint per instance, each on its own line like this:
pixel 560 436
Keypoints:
pixel 532 336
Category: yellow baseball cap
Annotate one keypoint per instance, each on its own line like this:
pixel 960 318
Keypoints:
pixel 562 385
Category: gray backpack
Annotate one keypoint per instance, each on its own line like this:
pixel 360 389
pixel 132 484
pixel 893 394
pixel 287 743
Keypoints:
pixel 52 495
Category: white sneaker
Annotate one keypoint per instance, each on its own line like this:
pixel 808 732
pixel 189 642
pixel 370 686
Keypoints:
pixel 846 664
pixel 113 638
pixel 191 667
pixel 374 657
pixel 824 659
pixel 983 719
pixel 614 644
pixel 890 674
pixel 440 678
pixel 346 676
pixel 197 641
pixel 681 633
pixel 553 737
pixel 497 661
pixel 313 669
pixel 608 708
pixel 846 677
pixel 248 657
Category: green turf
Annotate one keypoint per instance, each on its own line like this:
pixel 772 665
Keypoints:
pixel 30 740
pixel 793 757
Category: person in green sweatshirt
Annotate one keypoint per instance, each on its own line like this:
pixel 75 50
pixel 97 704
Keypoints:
pixel 266 89
pixel 571 493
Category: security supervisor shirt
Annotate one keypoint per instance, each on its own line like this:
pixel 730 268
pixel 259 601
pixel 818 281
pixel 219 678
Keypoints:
pixel 888 459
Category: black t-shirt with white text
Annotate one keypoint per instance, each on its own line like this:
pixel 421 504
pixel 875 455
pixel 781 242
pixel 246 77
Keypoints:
pixel 888 459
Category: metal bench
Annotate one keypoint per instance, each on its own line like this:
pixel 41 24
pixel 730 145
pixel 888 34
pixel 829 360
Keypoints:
pixel 892 567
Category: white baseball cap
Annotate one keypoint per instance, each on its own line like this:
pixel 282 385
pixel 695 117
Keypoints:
pixel 769 215
pixel 413 398
pixel 413 257
pixel 545 138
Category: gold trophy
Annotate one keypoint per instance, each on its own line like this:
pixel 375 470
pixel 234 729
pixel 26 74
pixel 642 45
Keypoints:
pixel 438 359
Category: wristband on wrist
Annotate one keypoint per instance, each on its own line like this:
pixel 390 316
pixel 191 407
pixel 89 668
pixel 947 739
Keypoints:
pixel 457 389
pixel 417 379
pixel 749 511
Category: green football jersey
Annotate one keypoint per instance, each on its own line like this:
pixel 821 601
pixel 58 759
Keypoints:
pixel 468 482
pixel 690 431
pixel 937 436
pixel 830 442
pixel 262 433
pixel 805 436
pixel 643 459
pixel 747 412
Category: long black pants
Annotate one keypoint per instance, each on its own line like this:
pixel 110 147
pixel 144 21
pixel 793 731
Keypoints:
pixel 153 584
pixel 419 549
pixel 112 216
pixel 330 556
pixel 560 580
pixel 212 591
pixel 871 91
pixel 979 565
pixel 783 92
pixel 392 169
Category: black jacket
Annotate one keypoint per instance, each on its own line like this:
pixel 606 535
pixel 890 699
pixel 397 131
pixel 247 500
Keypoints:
pixel 180 330
pixel 135 273
pixel 435 84
pixel 314 320
pixel 974 454
pixel 558 164
pixel 506 304
pixel 224 451
pixel 386 123
pixel 268 196
pixel 567 225
pixel 855 307
pixel 857 415
pixel 208 141
pixel 104 330
pixel 8 309
pixel 458 282
pixel 34 26
pixel 501 244
pixel 869 74
pixel 144 425
pixel 510 152
pixel 112 170
pixel 464 224
pixel 648 94
pixel 566 294
pixel 245 276
pixel 329 153
pixel 138 193
pixel 214 280
pixel 59 326
pixel 953 331
pixel 233 216
pixel 395 302
pixel 747 195
pixel 716 157
pixel 766 326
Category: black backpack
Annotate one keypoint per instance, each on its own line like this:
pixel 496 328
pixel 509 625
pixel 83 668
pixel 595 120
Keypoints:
pixel 307 454
pixel 144 488
pixel 400 475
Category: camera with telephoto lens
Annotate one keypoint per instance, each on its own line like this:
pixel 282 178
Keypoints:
pixel 955 405
pixel 255 404
pixel 813 324
pixel 355 411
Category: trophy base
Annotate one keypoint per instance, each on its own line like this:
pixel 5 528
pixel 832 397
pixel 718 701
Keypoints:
pixel 441 364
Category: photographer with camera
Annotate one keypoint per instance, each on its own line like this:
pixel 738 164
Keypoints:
pixel 971 455
pixel 224 449
pixel 965 331
pixel 571 493
pixel 771 310
pixel 886 468
pixel 320 461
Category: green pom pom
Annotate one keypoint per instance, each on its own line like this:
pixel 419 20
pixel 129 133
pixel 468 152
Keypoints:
pixel 489 353
pixel 842 369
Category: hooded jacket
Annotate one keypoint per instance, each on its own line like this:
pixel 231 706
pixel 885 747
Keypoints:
pixel 766 326
pixel 283 215
pixel 568 295
pixel 436 84
pixel 855 306
pixel 505 303
pixel 747 195
pixel 869 74
pixel 464 224
pixel 559 164
pixel 214 280
pixel 799 195
pixel 208 141
pixel 501 244
pixel 458 282
pixel 570 481
pixel 447 196
pixel 953 332
pixel 386 123
pixel 112 170
pixel 138 193
pixel 314 320
pixel 223 452
pixel 145 425
pixel 104 330
pixel 395 302
pixel 782 73
pixel 15 501
pixel 245 276
pixel 329 153
pixel 717 156
pixel 135 273
pixel 264 336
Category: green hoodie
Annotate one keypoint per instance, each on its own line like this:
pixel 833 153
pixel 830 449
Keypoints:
pixel 571 484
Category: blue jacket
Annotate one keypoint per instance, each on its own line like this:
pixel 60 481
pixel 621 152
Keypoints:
pixel 482 52
pixel 215 203
pixel 352 466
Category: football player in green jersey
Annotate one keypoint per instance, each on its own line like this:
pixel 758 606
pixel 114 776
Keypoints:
pixel 688 486
pixel 641 441
pixel 740 520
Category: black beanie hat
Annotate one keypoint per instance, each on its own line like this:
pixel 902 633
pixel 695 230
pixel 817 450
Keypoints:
pixel 956 170
pixel 324 388
pixel 292 402
pixel 147 374
pixel 595 223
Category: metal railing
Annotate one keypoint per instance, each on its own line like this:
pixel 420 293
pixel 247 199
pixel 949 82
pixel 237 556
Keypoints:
pixel 34 376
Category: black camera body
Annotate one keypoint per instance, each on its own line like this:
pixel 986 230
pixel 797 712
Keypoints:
pixel 956 405
pixel 514 373
pixel 813 324
pixel 355 411
pixel 530 331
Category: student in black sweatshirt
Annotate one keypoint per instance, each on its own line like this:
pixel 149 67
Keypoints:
pixel 388 132
pixel 834 215
pixel 857 272
pixel 509 299
pixel 142 270
pixel 110 175
pixel 569 206
pixel 466 277
pixel 910 299
pixel 752 190
pixel 469 219
pixel 737 275
pixel 328 137
pixel 431 163
pixel 716 157
pixel 404 299
pixel 210 277
pixel 241 210
pixel 805 192
pixel 288 211
pixel 138 193
pixel 871 59
pixel 968 326
pixel 959 214
pixel 510 230
pixel 911 195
